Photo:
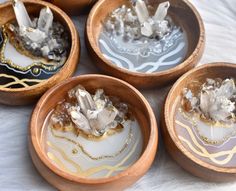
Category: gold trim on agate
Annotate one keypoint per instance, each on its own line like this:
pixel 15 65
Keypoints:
pixel 17 81
pixel 46 66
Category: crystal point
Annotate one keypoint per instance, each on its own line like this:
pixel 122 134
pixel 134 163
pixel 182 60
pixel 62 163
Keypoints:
pixel 21 13
pixel 141 11
pixel 45 20
pixel 161 11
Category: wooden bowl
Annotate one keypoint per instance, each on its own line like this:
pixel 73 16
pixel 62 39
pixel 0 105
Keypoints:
pixel 73 7
pixel 182 11
pixel 20 96
pixel 114 87
pixel 202 161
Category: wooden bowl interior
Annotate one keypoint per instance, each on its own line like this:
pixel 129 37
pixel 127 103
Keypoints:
pixel 73 7
pixel 7 14
pixel 180 12
pixel 112 87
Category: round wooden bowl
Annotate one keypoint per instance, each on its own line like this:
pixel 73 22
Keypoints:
pixel 113 87
pixel 182 11
pixel 21 96
pixel 73 7
pixel 212 169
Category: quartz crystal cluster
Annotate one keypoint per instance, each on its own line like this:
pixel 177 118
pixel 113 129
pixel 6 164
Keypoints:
pixel 215 101
pixel 136 22
pixel 42 37
pixel 92 114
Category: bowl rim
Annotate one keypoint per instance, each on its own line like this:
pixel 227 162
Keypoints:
pixel 150 147
pixel 170 129
pixel 75 44
pixel 93 43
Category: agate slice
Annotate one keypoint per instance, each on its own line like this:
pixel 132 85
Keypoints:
pixel 92 135
pixel 32 49
pixel 144 39
pixel 205 121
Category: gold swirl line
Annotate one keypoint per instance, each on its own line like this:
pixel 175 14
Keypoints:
pixel 79 171
pixel 124 160
pixel 86 152
pixel 57 161
pixel 78 168
pixel 18 81
pixel 205 153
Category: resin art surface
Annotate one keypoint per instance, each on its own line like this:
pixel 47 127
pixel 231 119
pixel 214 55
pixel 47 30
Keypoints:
pixel 32 49
pixel 92 136
pixel 142 38
pixel 205 121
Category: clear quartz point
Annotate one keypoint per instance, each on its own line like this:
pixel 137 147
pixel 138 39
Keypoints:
pixel 141 11
pixel 216 101
pixel 45 20
pixel 161 11
pixel 94 114
pixel 21 13
pixel 157 24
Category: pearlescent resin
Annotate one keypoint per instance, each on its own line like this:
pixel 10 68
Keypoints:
pixel 215 145
pixel 90 158
pixel 145 55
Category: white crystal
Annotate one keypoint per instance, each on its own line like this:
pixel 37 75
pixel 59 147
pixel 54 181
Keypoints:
pixel 81 121
pixel 146 29
pixel 141 11
pixel 22 15
pixel 216 101
pixel 152 25
pixel 45 20
pixel 94 115
pixel 35 35
pixel 27 29
pixel 85 101
pixel 161 11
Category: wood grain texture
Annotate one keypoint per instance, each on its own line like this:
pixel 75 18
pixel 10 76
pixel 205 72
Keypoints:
pixel 73 7
pixel 184 14
pixel 172 143
pixel 21 96
pixel 114 87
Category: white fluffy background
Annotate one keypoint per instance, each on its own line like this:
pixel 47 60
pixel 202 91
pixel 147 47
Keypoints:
pixel 16 170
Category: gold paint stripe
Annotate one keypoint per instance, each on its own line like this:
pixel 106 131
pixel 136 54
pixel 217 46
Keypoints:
pixel 65 157
pixel 17 81
pixel 128 139
pixel 124 160
pixel 205 153
pixel 86 173
pixel 56 160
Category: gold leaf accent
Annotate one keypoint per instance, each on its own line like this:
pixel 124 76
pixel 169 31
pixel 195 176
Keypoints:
pixel 88 154
pixel 45 66
pixel 90 171
pixel 17 81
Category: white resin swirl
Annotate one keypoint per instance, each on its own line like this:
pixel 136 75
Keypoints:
pixel 145 56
